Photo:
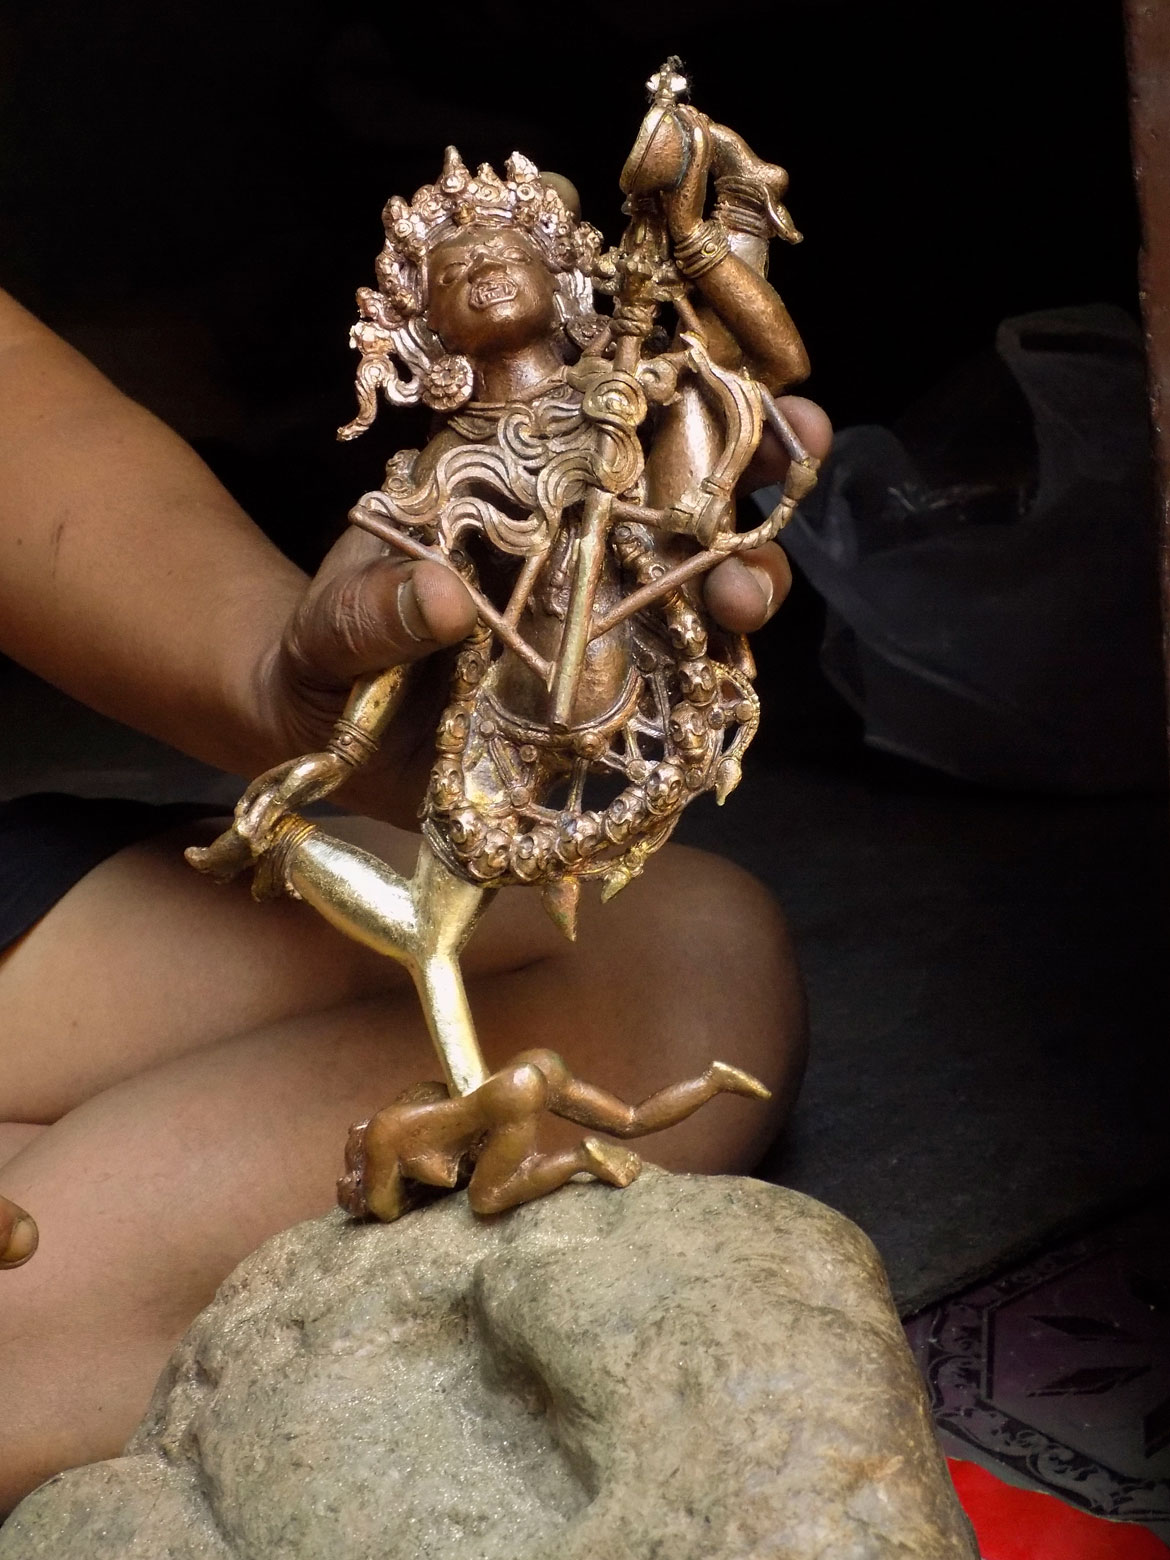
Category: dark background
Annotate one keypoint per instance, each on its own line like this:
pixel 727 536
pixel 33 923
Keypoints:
pixel 192 193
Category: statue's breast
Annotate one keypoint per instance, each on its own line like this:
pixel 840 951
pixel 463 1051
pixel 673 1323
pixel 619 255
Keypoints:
pixel 604 681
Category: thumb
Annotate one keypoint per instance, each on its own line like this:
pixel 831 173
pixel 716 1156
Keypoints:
pixel 18 1234
pixel 381 614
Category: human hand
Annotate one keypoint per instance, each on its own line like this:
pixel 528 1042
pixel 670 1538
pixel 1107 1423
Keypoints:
pixel 743 593
pixel 367 610
pixel 18 1235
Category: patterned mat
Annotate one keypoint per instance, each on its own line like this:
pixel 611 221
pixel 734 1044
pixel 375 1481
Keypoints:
pixel 1056 1374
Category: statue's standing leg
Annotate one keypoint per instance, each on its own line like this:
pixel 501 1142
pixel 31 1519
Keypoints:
pixel 423 922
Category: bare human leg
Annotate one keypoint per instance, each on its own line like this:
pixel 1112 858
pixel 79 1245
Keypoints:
pixel 144 960
pixel 153 1188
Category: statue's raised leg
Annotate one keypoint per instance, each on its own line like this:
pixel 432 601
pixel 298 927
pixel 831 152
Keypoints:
pixel 423 922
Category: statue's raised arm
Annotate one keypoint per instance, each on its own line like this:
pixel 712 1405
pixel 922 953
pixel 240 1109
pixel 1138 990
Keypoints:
pixel 723 257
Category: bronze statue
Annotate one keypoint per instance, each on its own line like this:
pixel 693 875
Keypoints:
pixel 582 482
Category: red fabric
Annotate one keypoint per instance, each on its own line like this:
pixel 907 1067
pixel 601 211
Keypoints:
pixel 1015 1524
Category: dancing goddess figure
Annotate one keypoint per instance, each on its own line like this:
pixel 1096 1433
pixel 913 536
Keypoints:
pixel 581 483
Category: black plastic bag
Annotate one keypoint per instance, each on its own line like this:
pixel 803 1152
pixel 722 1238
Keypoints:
pixel 993 601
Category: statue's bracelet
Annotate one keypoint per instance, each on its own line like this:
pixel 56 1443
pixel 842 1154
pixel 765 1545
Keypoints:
pixel 701 250
pixel 351 744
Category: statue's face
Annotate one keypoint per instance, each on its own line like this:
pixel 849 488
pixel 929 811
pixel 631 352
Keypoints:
pixel 489 290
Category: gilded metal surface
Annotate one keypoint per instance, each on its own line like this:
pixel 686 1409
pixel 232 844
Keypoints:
pixel 583 482
pixel 423 922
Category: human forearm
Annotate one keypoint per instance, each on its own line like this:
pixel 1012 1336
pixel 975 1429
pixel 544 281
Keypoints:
pixel 128 575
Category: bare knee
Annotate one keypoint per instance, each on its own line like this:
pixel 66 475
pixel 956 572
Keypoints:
pixel 489 1197
pixel 750 946
pixel 749 956
pixel 708 960
pixel 15 1136
pixel 722 938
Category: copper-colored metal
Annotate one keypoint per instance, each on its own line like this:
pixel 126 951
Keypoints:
pixel 597 462
pixel 488 1137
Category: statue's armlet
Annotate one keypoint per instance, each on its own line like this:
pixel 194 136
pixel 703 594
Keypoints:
pixel 373 702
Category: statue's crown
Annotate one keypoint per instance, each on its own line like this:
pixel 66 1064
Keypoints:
pixel 462 199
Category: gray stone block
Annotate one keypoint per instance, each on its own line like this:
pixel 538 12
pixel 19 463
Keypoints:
pixel 694 1367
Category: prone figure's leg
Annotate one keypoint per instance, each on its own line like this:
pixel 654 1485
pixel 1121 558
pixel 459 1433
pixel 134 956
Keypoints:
pixel 509 1167
pixel 510 1171
pixel 503 1182
pixel 587 1105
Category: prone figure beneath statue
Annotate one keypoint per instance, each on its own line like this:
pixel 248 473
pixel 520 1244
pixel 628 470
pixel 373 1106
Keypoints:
pixel 488 1138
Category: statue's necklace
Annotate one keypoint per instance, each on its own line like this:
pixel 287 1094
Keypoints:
pixel 478 420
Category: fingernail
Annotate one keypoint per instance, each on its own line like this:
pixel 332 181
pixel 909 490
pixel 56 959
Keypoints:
pixel 411 614
pixel 762 581
pixel 21 1243
pixel 766 584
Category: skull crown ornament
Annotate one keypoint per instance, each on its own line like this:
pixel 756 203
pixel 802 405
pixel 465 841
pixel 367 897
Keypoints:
pixel 582 482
